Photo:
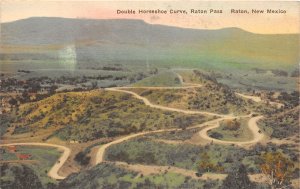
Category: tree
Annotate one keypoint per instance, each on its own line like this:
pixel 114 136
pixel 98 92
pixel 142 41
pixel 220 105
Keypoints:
pixel 82 159
pixel 231 125
pixel 13 102
pixel 94 84
pixel 237 179
pixel 52 89
pixel 277 168
pixel 206 165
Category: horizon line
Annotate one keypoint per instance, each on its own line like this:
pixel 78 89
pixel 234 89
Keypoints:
pixel 86 18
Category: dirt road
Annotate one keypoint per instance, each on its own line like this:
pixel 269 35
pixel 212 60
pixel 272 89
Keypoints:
pixel 148 103
pixel 101 150
pixel 254 98
pixel 53 173
pixel 252 124
pixel 258 99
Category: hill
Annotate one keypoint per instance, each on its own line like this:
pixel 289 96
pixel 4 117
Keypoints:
pixel 283 124
pixel 211 96
pixel 85 116
pixel 108 175
pixel 134 42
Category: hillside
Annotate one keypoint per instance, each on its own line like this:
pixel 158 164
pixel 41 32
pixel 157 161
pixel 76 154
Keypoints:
pixel 283 124
pixel 108 175
pixel 84 116
pixel 134 42
pixel 211 96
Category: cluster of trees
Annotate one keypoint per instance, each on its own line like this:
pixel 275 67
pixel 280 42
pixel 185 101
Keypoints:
pixel 295 73
pixel 32 85
pixel 290 100
pixel 82 158
pixel 206 165
pixel 215 96
pixel 277 168
pixel 281 73
pixel 277 72
pixel 283 124
pixel 5 121
pixel 238 179
pixel 23 177
pixel 231 124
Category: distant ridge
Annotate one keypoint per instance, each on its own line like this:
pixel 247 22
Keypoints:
pixel 112 40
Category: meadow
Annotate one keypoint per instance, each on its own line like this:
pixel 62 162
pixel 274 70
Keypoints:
pixel 232 130
pixel 42 160
pixel 108 175
pixel 188 156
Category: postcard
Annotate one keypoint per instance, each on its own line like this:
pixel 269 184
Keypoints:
pixel 149 94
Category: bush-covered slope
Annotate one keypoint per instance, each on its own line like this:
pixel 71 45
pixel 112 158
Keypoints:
pixel 212 96
pixel 84 116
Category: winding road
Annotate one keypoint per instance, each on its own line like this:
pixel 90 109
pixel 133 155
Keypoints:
pixel 148 103
pixel 258 99
pixel 53 173
pixel 252 124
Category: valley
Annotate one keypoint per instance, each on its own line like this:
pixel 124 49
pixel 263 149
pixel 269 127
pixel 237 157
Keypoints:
pixel 202 123
pixel 121 103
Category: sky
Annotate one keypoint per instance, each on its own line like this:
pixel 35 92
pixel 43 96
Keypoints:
pixel 289 22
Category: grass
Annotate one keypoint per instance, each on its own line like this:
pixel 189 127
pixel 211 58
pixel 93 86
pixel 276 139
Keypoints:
pixel 243 80
pixel 46 157
pixel 186 156
pixel 164 79
pixel 243 133
pixel 171 180
pixel 211 97
pixel 180 135
pixel 108 175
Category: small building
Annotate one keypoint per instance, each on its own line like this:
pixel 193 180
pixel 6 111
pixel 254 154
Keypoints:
pixel 23 156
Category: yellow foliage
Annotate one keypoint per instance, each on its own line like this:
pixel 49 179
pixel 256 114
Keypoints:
pixel 277 167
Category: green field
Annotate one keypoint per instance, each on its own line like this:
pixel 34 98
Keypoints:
pixel 108 175
pixel 186 156
pixel 164 79
pixel 179 135
pixel 240 133
pixel 44 158
pixel 211 97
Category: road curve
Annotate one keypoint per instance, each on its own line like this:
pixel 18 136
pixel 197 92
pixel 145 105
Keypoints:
pixel 258 99
pixel 148 103
pixel 252 124
pixel 101 150
pixel 53 173
pixel 254 98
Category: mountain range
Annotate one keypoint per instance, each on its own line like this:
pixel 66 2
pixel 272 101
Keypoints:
pixel 98 41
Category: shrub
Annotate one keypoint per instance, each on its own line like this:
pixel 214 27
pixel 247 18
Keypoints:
pixel 82 159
